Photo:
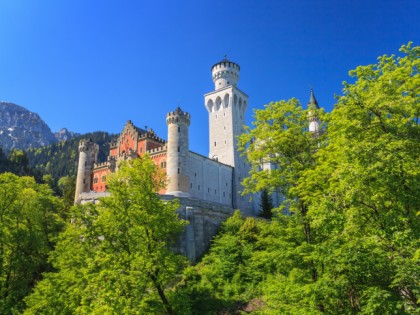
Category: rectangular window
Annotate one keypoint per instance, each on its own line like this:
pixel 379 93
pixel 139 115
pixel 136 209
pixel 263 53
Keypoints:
pixel 178 148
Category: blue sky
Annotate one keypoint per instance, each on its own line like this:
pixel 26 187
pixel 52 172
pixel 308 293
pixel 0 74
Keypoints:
pixel 92 65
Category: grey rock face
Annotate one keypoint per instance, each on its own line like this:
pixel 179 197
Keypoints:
pixel 22 129
pixel 64 134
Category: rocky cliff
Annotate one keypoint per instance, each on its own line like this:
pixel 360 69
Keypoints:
pixel 22 129
pixel 64 134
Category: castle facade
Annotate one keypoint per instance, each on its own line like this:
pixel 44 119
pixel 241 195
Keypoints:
pixel 215 178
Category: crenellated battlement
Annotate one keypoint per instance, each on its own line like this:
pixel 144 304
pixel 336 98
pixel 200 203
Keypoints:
pixel 178 117
pixel 151 135
pixel 158 150
pixel 88 145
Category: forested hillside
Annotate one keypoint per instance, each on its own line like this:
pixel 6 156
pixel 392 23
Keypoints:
pixel 60 159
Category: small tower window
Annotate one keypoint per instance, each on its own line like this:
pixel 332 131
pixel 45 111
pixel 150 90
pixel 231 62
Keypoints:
pixel 179 129
pixel 85 163
pixel 178 149
pixel 178 171
pixel 214 143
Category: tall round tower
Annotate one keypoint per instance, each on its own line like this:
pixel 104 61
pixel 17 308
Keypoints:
pixel 178 122
pixel 88 154
pixel 225 73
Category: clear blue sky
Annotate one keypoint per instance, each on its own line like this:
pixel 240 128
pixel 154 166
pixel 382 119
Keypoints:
pixel 92 65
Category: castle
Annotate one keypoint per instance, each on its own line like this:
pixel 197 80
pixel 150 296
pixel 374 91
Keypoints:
pixel 216 178
pixel 209 188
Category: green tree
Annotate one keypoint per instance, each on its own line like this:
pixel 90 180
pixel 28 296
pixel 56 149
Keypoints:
pixel 67 187
pixel 281 138
pixel 266 205
pixel 126 264
pixel 354 192
pixel 364 191
pixel 29 225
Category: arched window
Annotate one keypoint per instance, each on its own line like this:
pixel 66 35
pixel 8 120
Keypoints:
pixel 226 100
pixel 218 103
pixel 210 106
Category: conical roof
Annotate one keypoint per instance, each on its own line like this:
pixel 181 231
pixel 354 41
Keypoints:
pixel 312 100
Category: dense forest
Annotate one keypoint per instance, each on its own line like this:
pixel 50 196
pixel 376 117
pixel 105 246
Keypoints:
pixel 350 246
pixel 60 159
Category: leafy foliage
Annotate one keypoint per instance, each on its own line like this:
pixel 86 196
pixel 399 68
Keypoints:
pixel 29 224
pixel 352 244
pixel 124 263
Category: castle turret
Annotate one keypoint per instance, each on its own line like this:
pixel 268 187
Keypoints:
pixel 178 122
pixel 88 154
pixel 314 122
pixel 225 73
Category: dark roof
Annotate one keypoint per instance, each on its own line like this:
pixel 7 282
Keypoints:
pixel 225 60
pixel 312 100
pixel 140 131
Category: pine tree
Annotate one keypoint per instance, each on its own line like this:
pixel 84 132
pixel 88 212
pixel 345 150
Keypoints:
pixel 266 205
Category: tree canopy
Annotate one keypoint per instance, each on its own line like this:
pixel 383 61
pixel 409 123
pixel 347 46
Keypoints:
pixel 124 263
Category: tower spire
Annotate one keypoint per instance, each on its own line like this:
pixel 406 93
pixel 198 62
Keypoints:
pixel 312 100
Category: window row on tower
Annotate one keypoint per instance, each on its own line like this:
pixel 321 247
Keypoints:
pixel 213 106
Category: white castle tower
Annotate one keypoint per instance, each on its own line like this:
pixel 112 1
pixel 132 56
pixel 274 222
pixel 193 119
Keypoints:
pixel 88 154
pixel 227 106
pixel 314 122
pixel 178 122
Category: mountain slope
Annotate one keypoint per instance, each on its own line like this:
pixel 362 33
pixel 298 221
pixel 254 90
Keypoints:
pixel 22 129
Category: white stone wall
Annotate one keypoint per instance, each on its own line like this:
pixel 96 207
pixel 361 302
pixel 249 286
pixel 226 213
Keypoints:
pixel 209 180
